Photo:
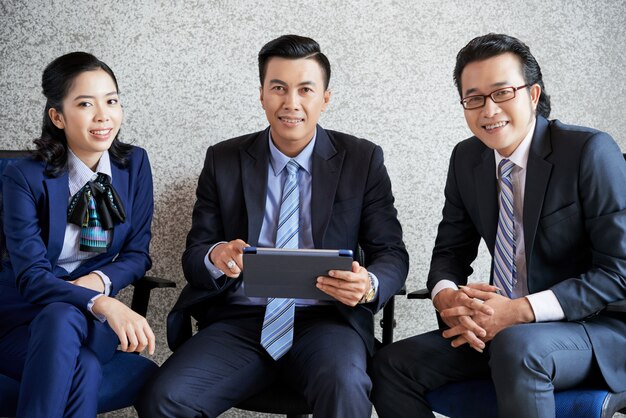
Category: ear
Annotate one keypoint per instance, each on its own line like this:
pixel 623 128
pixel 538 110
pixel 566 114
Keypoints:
pixel 535 93
pixel 261 97
pixel 327 94
pixel 56 118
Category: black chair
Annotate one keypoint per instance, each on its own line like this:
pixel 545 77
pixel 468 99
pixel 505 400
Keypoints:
pixel 124 367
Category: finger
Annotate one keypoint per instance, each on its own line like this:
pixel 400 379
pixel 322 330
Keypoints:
pixel 343 275
pixel 151 338
pixel 123 339
pixel 456 311
pixel 455 331
pixel 132 339
pixel 472 326
pixel 355 267
pixel 344 296
pixel 479 306
pixel 485 287
pixel 462 340
pixel 142 340
pixel 468 338
pixel 480 294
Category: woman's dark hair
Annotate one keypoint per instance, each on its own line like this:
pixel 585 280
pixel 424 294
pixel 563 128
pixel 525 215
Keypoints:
pixel 293 47
pixel 56 82
pixel 490 45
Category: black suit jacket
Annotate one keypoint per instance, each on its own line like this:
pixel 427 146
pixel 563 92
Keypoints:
pixel 351 205
pixel 574 221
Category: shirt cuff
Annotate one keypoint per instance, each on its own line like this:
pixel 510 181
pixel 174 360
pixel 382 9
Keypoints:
pixel 105 279
pixel 546 306
pixel 441 285
pixel 213 271
pixel 100 318
pixel 375 283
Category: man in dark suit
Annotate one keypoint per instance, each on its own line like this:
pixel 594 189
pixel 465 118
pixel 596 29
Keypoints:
pixel 334 191
pixel 550 202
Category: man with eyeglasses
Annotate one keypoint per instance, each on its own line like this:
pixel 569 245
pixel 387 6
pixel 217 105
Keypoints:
pixel 549 200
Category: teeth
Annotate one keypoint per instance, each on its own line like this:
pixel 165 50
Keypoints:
pixel 496 125
pixel 102 132
pixel 291 120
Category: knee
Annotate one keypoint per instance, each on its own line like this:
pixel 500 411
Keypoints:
pixel 384 364
pixel 157 396
pixel 513 352
pixel 350 381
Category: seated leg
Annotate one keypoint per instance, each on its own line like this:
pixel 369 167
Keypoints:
pixel 217 368
pixel 54 344
pixel 328 363
pixel 405 371
pixel 528 362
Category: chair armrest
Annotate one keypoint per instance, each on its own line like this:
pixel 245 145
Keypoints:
pixel 619 306
pixel 141 293
pixel 388 322
pixel 419 294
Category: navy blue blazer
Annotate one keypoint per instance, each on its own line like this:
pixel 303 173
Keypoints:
pixel 574 227
pixel 351 205
pixel 35 218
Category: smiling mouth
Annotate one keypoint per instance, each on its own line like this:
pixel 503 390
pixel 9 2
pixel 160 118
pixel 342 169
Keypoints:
pixel 100 132
pixel 495 125
pixel 291 120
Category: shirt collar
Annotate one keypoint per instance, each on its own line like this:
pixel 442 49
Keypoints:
pixel 79 174
pixel 278 160
pixel 520 155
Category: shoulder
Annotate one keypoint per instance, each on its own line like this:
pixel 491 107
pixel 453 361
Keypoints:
pixel 233 145
pixel 27 169
pixel 350 142
pixel 581 141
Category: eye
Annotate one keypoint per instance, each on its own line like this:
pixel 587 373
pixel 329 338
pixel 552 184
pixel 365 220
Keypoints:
pixel 85 104
pixel 113 101
pixel 278 88
pixel 307 90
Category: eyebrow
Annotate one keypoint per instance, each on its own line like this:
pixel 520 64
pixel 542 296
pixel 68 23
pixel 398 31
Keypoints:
pixel 498 84
pixel 84 96
pixel 282 83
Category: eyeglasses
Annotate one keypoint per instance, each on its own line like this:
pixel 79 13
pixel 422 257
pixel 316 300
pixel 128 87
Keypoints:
pixel 498 96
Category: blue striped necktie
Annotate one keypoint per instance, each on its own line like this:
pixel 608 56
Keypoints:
pixel 504 254
pixel 277 333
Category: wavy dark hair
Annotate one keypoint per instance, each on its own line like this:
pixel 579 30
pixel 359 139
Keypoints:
pixel 293 47
pixel 492 44
pixel 56 82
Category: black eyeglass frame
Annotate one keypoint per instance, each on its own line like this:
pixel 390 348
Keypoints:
pixel 491 96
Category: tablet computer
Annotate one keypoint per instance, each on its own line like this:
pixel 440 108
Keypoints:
pixel 290 273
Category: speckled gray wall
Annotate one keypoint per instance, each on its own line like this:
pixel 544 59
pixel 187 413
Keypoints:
pixel 188 79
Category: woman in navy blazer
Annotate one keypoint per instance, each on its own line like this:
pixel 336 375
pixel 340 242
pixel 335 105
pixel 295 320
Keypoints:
pixel 60 320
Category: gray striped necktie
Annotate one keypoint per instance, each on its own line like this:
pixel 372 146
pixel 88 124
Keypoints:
pixel 504 271
pixel 277 333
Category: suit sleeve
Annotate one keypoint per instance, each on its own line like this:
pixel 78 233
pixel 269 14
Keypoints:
pixel 380 233
pixel 602 192
pixel 133 260
pixel 33 272
pixel 206 230
pixel 457 240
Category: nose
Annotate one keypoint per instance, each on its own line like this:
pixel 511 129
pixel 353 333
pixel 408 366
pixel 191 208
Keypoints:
pixel 101 114
pixel 292 100
pixel 490 108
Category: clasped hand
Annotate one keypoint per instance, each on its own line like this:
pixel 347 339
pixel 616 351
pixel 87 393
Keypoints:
pixel 476 314
pixel 348 287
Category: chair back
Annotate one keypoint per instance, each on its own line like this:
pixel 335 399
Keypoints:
pixel 7 158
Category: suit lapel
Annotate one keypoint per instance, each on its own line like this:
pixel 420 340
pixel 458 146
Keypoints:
pixel 327 162
pixel 538 173
pixel 254 165
pixel 58 192
pixel 120 183
pixel 487 196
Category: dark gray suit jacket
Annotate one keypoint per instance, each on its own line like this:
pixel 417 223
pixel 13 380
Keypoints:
pixel 574 227
pixel 351 205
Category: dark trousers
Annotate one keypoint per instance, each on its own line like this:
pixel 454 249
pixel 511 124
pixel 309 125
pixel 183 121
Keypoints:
pixel 57 359
pixel 224 364
pixel 526 363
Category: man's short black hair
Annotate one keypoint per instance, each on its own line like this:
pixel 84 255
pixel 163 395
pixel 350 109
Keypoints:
pixel 493 44
pixel 293 47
